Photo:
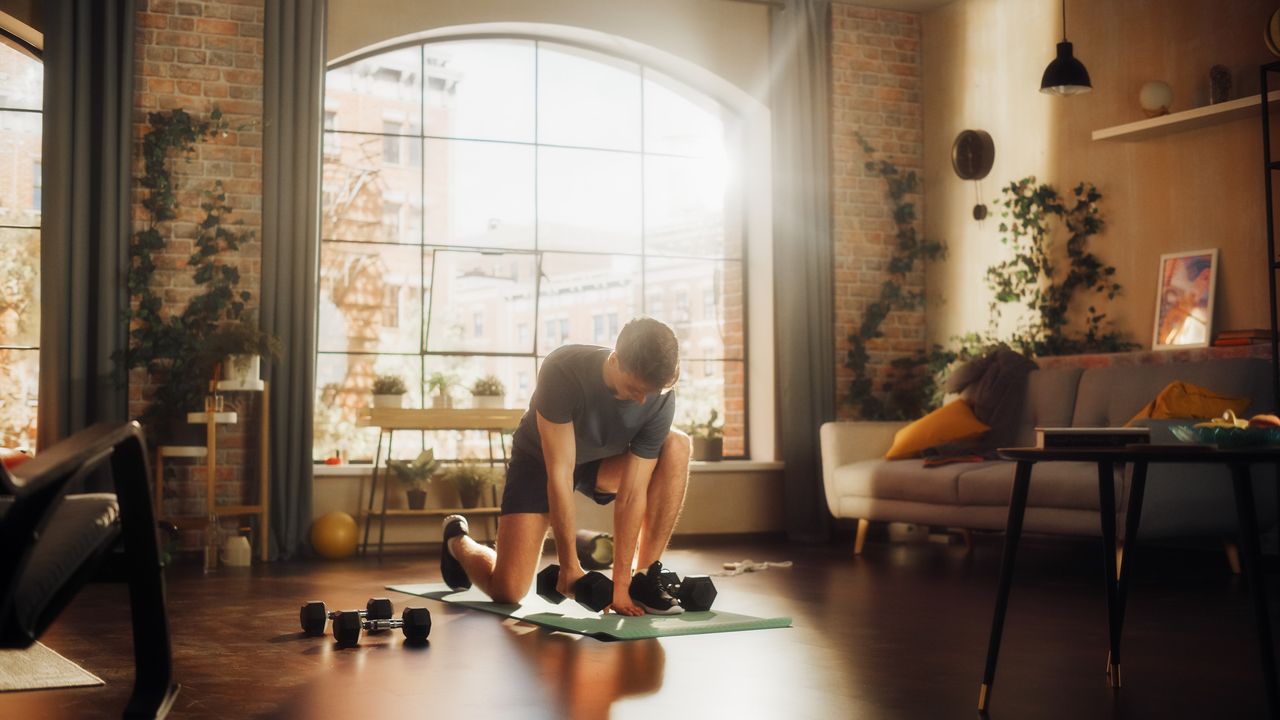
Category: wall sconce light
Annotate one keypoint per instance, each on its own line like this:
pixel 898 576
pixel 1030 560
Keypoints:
pixel 1065 75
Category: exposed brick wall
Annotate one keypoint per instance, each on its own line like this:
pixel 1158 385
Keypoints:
pixel 198 55
pixel 875 78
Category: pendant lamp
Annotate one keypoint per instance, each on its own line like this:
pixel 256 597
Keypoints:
pixel 1065 75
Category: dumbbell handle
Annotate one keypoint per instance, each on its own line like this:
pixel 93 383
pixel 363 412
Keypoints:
pixel 380 624
pixel 334 613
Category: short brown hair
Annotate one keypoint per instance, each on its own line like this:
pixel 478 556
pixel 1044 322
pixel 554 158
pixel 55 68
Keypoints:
pixel 648 349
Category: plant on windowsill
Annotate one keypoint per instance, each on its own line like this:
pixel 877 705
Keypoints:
pixel 414 475
pixel 440 383
pixel 388 391
pixel 488 392
pixel 471 480
pixel 236 349
pixel 708 438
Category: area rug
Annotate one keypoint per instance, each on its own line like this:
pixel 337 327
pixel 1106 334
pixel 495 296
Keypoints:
pixel 39 668
pixel 572 617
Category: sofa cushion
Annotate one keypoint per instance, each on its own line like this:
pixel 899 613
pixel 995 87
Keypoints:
pixel 950 423
pixel 1181 399
pixel 1071 485
pixel 1110 396
pixel 902 480
pixel 1051 396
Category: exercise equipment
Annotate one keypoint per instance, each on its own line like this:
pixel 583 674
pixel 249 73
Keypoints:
pixel 333 535
pixel 573 618
pixel 595 549
pixel 313 615
pixel 695 592
pixel 593 590
pixel 414 622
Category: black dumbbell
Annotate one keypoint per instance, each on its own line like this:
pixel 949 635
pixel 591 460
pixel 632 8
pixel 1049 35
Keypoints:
pixel 695 592
pixel 313 614
pixel 415 622
pixel 593 590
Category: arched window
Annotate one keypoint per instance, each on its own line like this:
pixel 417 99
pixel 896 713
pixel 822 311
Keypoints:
pixel 21 100
pixel 488 200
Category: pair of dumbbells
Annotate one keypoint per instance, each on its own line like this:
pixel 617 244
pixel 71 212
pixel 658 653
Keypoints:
pixel 593 590
pixel 313 615
pixel 414 622
pixel 695 592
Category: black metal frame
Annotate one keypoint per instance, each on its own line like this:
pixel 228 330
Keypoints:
pixel 38 487
pixel 1117 583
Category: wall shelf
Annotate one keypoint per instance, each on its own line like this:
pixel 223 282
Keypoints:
pixel 1184 120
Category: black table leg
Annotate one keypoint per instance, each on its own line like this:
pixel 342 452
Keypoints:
pixel 373 488
pixel 1107 514
pixel 1253 575
pixel 1013 530
pixel 1133 516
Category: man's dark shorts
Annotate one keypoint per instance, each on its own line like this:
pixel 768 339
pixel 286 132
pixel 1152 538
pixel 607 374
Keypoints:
pixel 526 490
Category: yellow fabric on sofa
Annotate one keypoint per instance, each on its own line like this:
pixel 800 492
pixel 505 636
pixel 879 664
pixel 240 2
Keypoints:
pixel 1181 399
pixel 949 423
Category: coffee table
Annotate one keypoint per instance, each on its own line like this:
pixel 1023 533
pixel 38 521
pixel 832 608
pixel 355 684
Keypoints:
pixel 1238 460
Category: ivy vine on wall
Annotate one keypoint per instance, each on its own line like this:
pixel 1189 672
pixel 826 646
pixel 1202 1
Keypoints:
pixel 171 346
pixel 1035 279
pixel 906 393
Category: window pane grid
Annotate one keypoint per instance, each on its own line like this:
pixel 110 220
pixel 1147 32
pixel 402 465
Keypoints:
pixel 541 312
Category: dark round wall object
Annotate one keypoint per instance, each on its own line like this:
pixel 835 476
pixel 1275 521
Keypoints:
pixel 973 154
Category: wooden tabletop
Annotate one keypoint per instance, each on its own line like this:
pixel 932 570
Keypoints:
pixel 1183 453
pixel 444 419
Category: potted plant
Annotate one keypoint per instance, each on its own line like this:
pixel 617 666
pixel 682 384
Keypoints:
pixel 414 476
pixel 471 479
pixel 388 391
pixel 708 438
pixel 236 348
pixel 488 392
pixel 440 383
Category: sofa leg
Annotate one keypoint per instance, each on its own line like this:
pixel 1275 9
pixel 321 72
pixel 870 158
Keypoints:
pixel 861 537
pixel 966 536
pixel 1119 556
pixel 1233 556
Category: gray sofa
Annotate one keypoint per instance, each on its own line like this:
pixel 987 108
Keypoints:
pixel 1180 500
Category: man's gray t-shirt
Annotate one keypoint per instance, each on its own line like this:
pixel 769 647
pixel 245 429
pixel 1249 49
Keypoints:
pixel 571 388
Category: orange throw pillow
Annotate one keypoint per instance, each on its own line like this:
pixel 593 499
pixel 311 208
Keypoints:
pixel 949 423
pixel 1181 399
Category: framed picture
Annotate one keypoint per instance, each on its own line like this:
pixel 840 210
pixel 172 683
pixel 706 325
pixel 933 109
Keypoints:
pixel 1184 299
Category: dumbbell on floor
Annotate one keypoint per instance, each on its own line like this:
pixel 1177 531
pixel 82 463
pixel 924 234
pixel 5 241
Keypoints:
pixel 415 622
pixel 313 614
pixel 695 592
pixel 593 590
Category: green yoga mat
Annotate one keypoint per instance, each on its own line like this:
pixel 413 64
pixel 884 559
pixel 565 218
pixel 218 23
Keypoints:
pixel 572 617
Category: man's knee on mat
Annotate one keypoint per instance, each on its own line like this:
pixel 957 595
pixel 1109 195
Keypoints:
pixel 505 589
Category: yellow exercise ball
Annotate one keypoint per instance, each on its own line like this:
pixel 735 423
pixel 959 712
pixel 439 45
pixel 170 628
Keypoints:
pixel 333 535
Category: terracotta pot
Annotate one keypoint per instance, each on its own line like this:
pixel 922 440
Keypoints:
pixel 470 497
pixel 488 402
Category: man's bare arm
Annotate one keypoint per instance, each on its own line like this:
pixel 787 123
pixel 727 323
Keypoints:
pixel 559 452
pixel 628 514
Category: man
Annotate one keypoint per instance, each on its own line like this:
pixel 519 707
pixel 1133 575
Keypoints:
pixel 599 422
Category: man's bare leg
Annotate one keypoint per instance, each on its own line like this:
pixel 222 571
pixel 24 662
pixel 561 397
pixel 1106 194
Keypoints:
pixel 505 575
pixel 665 498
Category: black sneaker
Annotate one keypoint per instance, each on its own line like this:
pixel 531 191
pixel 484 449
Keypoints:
pixel 454 576
pixel 647 590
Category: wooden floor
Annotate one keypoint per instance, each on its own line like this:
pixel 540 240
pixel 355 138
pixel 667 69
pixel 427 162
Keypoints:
pixel 898 633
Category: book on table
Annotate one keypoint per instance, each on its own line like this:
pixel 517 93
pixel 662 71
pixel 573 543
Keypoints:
pixel 1090 437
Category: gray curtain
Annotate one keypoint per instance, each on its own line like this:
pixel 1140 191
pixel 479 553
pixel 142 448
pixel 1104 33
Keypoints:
pixel 804 321
pixel 292 115
pixel 84 243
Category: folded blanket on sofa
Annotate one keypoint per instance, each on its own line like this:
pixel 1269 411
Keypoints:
pixel 995 386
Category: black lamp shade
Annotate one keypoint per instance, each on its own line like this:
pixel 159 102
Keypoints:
pixel 1065 75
